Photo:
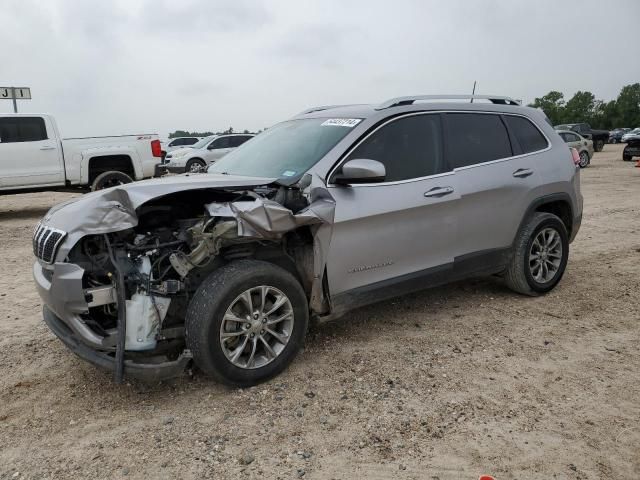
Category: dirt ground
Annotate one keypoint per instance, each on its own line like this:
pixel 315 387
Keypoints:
pixel 446 384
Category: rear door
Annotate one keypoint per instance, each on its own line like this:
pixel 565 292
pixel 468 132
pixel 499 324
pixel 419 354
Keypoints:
pixel 29 153
pixel 403 227
pixel 496 179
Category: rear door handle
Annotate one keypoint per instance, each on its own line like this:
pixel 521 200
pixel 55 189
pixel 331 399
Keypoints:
pixel 47 147
pixel 523 172
pixel 438 192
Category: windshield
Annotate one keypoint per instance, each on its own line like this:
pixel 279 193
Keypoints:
pixel 203 142
pixel 285 150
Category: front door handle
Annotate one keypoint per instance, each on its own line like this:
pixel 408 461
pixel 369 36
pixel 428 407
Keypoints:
pixel 47 147
pixel 523 172
pixel 438 192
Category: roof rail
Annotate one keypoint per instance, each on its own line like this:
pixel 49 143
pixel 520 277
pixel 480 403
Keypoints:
pixel 399 101
pixel 319 109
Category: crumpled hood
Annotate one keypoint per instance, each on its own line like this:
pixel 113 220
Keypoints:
pixel 114 209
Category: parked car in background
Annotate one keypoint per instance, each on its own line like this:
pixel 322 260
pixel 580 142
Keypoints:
pixel 631 135
pixel 631 149
pixel 584 146
pixel 203 153
pixel 34 157
pixel 336 208
pixel 179 142
pixel 615 136
pixel 599 137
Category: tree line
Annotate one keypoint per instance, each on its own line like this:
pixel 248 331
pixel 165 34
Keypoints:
pixel 624 111
pixel 185 133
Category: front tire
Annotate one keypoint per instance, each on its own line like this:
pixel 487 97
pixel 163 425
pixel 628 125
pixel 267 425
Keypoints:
pixel 540 255
pixel 246 322
pixel 195 165
pixel 110 179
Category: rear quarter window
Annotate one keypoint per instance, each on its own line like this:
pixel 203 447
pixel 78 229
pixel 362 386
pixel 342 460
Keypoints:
pixel 527 134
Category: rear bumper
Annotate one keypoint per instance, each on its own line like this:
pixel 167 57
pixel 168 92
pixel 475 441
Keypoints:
pixel 145 370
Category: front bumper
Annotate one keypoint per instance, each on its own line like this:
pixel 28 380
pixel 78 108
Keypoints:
pixel 164 168
pixel 61 290
pixel 146 370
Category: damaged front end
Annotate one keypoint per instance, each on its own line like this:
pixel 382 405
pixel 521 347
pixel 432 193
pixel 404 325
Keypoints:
pixel 117 285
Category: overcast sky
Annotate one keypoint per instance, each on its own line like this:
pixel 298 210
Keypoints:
pixel 150 66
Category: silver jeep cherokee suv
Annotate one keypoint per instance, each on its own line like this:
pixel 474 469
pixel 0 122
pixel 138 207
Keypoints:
pixel 339 207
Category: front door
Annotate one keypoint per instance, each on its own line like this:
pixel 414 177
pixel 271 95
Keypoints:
pixel 402 228
pixel 218 149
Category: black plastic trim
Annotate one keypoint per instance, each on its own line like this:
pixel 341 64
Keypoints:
pixel 482 263
pixel 149 372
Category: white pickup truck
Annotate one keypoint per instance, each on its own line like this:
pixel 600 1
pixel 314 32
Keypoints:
pixel 34 157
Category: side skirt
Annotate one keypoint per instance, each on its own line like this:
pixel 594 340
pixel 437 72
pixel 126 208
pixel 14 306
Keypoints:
pixel 477 264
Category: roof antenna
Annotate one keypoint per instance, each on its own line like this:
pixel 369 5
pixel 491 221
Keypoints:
pixel 473 92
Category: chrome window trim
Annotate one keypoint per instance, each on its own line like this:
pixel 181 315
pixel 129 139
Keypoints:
pixel 451 172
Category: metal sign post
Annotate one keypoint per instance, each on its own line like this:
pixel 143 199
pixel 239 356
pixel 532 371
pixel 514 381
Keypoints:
pixel 15 94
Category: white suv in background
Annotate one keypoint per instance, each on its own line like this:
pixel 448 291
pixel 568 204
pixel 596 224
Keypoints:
pixel 195 158
pixel 178 142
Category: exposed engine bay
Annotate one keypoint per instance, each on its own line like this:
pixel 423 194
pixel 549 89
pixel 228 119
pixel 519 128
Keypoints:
pixel 148 273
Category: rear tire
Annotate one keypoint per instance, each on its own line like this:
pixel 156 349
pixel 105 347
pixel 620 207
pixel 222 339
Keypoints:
pixel 195 165
pixel 598 145
pixel 219 323
pixel 584 159
pixel 110 179
pixel 626 158
pixel 522 276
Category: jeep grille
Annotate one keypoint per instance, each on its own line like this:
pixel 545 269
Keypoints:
pixel 46 241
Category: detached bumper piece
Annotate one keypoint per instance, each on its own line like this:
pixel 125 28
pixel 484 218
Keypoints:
pixel 148 372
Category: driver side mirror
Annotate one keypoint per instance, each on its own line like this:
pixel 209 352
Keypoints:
pixel 360 170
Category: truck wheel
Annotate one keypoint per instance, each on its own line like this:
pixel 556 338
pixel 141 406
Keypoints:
pixel 195 165
pixel 110 179
pixel 626 158
pixel 246 322
pixel 540 255
pixel 598 145
pixel 584 159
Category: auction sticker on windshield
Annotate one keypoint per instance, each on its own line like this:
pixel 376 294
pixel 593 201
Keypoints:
pixel 342 122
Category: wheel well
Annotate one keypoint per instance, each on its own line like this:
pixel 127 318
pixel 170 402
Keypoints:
pixel 198 159
pixel 560 209
pixel 109 163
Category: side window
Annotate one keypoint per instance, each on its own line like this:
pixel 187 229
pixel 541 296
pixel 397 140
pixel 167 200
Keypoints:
pixel 174 143
pixel 476 138
pixel 189 141
pixel 527 134
pixel 238 140
pixel 564 137
pixel 22 129
pixel 573 137
pixel 222 142
pixel 410 147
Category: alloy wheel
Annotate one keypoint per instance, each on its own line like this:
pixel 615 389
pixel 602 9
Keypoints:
pixel 256 327
pixel 545 255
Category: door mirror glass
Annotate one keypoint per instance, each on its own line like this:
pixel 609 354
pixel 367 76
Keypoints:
pixel 360 170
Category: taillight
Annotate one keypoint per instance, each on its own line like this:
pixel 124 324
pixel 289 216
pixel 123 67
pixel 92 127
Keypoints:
pixel 156 148
pixel 575 155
